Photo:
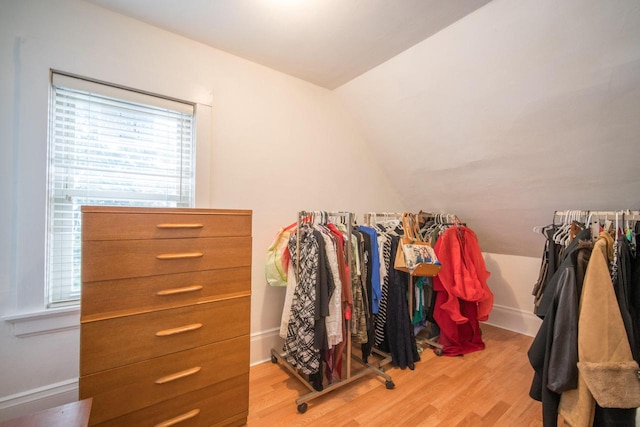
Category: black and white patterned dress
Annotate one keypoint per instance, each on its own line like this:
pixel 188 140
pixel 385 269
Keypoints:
pixel 385 231
pixel 299 344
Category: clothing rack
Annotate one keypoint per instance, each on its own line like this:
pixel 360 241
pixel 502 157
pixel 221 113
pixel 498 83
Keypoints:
pixel 347 218
pixel 445 220
pixel 598 292
pixel 634 214
pixel 575 215
pixel 372 217
pixel 586 218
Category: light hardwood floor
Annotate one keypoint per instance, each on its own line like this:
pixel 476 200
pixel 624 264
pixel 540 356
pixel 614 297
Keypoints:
pixel 485 388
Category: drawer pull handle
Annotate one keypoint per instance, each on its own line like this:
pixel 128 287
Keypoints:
pixel 178 375
pixel 179 330
pixel 185 255
pixel 179 418
pixel 177 226
pixel 174 291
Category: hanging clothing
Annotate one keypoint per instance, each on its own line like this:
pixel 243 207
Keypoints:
pixel 374 259
pixel 385 232
pixel 554 351
pixel 333 321
pixel 463 298
pixel 607 370
pixel 288 301
pixel 463 276
pixel 340 238
pixel 565 261
pixel 457 338
pixel 359 315
pixel 399 330
pixel 622 285
pixel 344 305
pixel 364 246
pixel 324 287
pixel 548 266
pixel 300 348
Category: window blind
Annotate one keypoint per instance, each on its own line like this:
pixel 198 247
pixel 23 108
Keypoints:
pixel 109 146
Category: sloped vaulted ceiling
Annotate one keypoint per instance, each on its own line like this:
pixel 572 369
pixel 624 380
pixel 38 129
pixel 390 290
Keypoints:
pixel 501 116
pixel 326 42
pixel 515 111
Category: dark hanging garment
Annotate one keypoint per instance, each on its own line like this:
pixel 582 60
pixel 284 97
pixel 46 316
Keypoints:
pixel 634 300
pixel 548 267
pixel 324 282
pixel 622 284
pixel 554 358
pixel 367 262
pixel 399 331
pixel 549 290
pixel 565 301
pixel 365 268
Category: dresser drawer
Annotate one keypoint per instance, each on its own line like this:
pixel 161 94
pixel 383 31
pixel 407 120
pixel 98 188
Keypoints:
pixel 113 298
pixel 120 259
pixel 223 404
pixel 112 223
pixel 122 390
pixel 119 341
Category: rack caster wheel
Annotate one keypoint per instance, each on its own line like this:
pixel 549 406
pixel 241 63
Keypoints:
pixel 389 385
pixel 438 352
pixel 302 408
pixel 274 359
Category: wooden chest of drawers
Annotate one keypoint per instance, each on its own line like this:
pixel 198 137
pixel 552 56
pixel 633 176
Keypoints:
pixel 164 336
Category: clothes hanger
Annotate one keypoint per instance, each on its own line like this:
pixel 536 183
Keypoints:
pixel 557 234
pixel 566 233
pixel 575 219
pixel 589 217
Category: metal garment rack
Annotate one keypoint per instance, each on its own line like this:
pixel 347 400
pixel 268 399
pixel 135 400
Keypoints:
pixel 371 218
pixel 622 215
pixel 587 217
pixel 447 220
pixel 276 356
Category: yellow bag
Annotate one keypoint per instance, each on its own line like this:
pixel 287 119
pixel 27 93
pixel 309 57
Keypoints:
pixel 277 262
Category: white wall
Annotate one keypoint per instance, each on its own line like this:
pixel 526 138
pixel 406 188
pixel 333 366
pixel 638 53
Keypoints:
pixel 511 281
pixel 278 145
pixel 520 108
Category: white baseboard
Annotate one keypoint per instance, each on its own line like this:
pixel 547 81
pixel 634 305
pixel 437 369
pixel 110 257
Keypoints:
pixel 516 320
pixel 262 343
pixel 38 399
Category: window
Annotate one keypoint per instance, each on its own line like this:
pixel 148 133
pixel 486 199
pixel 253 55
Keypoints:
pixel 109 146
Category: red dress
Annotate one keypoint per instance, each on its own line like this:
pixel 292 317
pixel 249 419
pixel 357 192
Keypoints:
pixel 463 297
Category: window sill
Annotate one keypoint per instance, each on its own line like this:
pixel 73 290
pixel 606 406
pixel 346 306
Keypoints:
pixel 45 321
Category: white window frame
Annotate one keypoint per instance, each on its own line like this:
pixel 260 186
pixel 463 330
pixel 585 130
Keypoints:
pixel 27 310
pixel 77 105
